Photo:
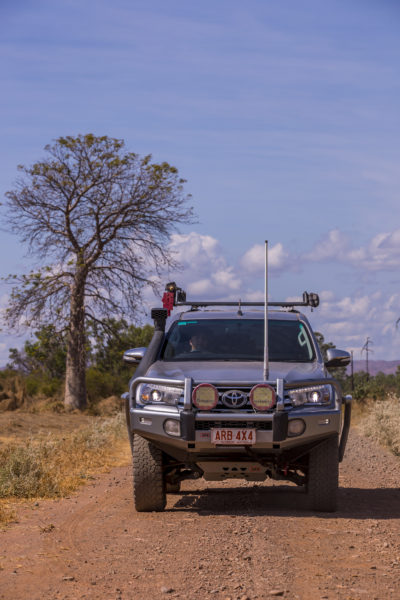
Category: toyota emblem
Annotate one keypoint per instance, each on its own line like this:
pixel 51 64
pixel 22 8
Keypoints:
pixel 234 399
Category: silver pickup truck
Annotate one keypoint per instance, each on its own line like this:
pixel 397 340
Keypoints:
pixel 199 404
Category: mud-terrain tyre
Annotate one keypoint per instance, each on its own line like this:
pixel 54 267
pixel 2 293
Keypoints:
pixel 173 488
pixel 323 475
pixel 148 477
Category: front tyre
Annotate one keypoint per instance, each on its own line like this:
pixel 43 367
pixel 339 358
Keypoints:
pixel 148 476
pixel 323 475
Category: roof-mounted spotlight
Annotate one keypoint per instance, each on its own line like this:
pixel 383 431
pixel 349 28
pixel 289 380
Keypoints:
pixel 172 295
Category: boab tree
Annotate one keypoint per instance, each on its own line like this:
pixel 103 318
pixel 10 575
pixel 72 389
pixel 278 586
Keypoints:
pixel 99 219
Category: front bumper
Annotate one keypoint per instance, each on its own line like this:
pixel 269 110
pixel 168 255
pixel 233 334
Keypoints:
pixel 271 428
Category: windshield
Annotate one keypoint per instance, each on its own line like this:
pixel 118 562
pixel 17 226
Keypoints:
pixel 238 339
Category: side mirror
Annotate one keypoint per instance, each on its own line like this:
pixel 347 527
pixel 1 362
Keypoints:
pixel 337 358
pixel 134 356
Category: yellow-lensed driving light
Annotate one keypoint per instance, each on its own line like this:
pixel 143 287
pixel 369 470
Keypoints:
pixel 262 397
pixel 205 396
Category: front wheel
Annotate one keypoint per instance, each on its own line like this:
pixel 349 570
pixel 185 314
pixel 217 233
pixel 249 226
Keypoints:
pixel 323 475
pixel 148 476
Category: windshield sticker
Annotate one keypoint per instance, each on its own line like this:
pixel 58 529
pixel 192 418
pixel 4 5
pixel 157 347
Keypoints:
pixel 304 341
pixel 187 322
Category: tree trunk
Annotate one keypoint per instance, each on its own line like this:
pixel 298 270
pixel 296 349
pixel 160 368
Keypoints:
pixel 75 376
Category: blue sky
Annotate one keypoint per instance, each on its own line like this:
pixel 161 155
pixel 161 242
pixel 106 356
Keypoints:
pixel 283 117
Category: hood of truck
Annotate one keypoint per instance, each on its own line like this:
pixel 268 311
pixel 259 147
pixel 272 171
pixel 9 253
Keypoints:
pixel 235 372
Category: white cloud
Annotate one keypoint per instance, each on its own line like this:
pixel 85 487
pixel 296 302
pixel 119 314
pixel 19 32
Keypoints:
pixel 326 295
pixel 205 268
pixel 227 279
pixel 254 259
pixel 348 321
pixel 382 253
pixel 199 287
pixel 198 250
pixel 330 247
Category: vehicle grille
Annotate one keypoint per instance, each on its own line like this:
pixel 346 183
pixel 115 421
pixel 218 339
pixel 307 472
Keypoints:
pixel 244 390
pixel 223 390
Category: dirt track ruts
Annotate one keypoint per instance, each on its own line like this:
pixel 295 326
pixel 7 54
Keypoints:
pixel 232 540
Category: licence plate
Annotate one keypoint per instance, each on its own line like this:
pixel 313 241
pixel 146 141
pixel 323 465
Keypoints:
pixel 232 435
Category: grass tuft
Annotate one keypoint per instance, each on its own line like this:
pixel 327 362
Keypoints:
pixel 7 514
pixel 56 466
pixel 382 423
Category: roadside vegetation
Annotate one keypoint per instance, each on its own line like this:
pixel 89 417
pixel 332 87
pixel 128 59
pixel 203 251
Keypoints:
pixel 376 402
pixel 34 378
pixel 56 465
pixel 48 465
pixel 381 422
pixel 362 386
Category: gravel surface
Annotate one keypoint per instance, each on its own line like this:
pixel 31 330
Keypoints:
pixel 229 540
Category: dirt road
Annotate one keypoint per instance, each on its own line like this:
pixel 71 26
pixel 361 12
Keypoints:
pixel 231 540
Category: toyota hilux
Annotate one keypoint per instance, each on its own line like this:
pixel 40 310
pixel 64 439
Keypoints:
pixel 201 403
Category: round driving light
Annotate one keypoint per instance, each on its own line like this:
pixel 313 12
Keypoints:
pixel 205 396
pixel 296 427
pixel 262 396
pixel 172 427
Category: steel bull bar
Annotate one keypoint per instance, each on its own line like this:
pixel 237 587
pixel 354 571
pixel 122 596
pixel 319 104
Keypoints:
pixel 279 418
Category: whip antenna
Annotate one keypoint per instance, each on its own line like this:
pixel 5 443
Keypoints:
pixel 266 365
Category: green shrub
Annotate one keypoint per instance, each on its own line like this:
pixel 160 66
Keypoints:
pixel 32 385
pixel 100 384
pixel 39 383
pixel 51 388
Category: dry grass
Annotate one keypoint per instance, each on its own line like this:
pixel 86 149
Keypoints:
pixel 382 423
pixel 7 513
pixel 54 467
pixel 359 411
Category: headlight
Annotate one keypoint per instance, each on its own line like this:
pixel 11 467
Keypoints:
pixel 317 395
pixel 158 394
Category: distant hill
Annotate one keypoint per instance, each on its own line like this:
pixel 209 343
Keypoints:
pixel 376 366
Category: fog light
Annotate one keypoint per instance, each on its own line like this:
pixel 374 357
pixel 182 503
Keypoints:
pixel 172 427
pixel 296 427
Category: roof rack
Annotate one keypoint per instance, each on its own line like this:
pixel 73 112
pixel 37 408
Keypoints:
pixel 175 296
